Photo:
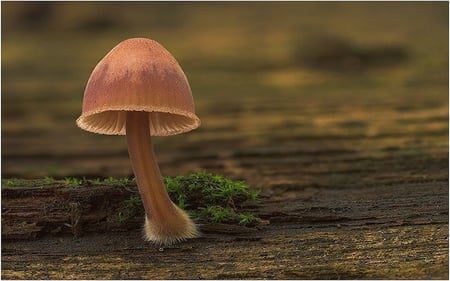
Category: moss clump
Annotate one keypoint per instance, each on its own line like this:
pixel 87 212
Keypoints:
pixel 206 197
pixel 212 198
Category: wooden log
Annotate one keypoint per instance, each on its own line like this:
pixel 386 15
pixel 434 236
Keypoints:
pixel 42 209
pixel 392 231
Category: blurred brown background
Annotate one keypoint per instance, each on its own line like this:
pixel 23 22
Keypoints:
pixel 298 79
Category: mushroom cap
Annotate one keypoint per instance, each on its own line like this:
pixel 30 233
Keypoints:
pixel 138 75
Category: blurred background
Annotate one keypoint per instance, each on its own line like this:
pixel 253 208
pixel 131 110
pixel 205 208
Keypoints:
pixel 283 89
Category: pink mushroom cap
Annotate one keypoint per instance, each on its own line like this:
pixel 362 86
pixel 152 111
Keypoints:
pixel 138 75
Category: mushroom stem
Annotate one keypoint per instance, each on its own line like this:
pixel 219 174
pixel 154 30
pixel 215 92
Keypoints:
pixel 165 223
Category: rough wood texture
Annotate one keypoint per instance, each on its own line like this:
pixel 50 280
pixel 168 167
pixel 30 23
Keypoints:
pixel 337 112
pixel 392 231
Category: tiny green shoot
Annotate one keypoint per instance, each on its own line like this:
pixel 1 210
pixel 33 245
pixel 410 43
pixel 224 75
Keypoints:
pixel 73 180
pixel 12 182
pixel 110 180
pixel 96 181
pixel 49 180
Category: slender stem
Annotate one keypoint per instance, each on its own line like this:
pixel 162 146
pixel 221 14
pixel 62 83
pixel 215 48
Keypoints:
pixel 157 203
pixel 165 223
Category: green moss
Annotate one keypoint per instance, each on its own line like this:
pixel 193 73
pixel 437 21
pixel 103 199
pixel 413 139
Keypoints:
pixel 49 180
pixel 74 181
pixel 130 209
pixel 247 219
pixel 96 181
pixel 110 180
pixel 15 182
pixel 212 198
pixel 134 201
pixel 206 197
pixel 218 214
pixel 11 182
pixel 126 180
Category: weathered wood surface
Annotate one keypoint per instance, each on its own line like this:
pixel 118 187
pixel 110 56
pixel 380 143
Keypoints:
pixel 352 160
pixel 390 231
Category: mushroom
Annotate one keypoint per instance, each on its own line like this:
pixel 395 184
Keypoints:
pixel 140 90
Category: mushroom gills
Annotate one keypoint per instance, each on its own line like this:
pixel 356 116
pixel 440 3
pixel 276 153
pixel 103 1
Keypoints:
pixel 113 122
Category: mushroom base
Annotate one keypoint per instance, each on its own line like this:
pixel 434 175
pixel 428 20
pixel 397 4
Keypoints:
pixel 167 232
